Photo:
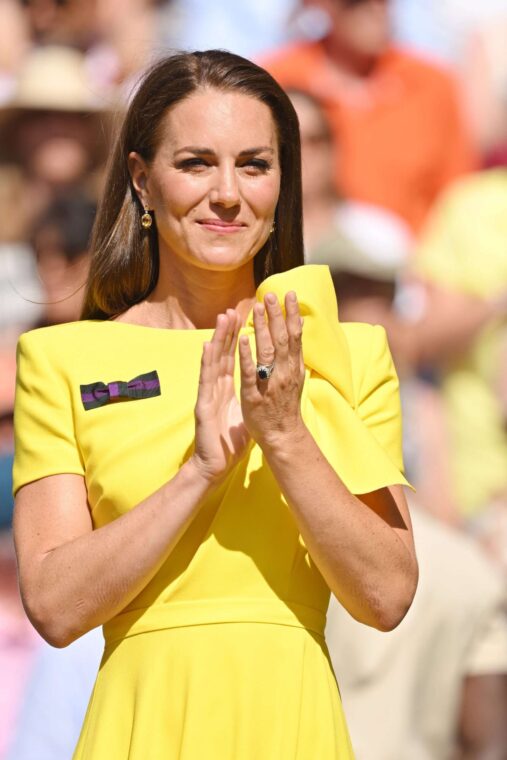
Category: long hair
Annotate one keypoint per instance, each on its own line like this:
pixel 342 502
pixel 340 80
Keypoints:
pixel 125 259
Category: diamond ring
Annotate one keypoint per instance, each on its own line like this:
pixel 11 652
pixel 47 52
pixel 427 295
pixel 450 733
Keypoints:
pixel 264 370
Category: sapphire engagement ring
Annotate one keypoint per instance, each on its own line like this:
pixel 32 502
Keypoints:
pixel 264 370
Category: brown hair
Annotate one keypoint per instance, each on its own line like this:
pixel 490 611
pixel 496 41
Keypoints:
pixel 125 265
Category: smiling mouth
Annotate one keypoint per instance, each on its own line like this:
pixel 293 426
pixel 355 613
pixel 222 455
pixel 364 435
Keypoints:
pixel 217 225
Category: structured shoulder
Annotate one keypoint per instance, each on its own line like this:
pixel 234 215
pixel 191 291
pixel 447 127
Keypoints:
pixel 367 344
pixel 361 335
pixel 62 350
pixel 56 334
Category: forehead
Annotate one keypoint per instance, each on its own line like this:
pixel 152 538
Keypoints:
pixel 211 118
pixel 310 115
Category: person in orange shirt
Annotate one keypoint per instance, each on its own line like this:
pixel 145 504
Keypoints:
pixel 397 117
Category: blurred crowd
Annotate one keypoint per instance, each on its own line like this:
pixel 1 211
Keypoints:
pixel 403 113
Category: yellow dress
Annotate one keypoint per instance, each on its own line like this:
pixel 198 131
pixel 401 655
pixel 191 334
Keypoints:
pixel 222 655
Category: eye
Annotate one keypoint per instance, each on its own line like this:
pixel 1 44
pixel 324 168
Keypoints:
pixel 195 163
pixel 256 166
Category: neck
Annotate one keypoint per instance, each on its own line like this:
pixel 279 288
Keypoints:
pixel 188 297
pixel 349 63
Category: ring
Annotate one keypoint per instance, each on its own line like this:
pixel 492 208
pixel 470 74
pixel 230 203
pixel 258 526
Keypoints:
pixel 264 370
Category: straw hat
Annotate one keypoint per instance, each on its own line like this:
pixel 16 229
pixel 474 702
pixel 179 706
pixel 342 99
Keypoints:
pixel 54 78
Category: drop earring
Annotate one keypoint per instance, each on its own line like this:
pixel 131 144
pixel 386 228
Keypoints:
pixel 146 219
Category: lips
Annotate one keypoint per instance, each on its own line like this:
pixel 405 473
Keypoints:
pixel 218 225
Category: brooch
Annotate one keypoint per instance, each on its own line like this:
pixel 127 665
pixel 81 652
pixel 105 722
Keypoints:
pixel 99 394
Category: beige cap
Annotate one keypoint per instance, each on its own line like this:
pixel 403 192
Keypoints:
pixel 367 241
pixel 54 78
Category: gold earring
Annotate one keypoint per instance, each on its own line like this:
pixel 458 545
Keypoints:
pixel 273 227
pixel 146 219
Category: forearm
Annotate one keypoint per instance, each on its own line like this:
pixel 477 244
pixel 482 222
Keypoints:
pixel 366 564
pixel 482 729
pixel 85 582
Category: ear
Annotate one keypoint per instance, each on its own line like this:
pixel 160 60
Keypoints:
pixel 138 169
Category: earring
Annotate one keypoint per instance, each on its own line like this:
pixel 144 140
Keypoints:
pixel 146 219
pixel 273 227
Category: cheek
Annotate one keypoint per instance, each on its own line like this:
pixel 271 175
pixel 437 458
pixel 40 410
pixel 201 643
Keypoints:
pixel 264 197
pixel 177 194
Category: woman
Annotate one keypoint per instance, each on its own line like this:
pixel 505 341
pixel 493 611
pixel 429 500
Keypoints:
pixel 206 543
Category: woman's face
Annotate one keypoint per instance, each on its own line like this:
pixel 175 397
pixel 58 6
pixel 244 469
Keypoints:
pixel 317 150
pixel 214 182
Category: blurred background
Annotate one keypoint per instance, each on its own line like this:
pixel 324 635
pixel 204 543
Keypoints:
pixel 403 113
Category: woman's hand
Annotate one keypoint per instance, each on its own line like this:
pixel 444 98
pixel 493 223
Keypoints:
pixel 221 437
pixel 271 408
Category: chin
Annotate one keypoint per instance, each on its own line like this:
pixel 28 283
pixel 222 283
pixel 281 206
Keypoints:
pixel 221 259
pixel 222 263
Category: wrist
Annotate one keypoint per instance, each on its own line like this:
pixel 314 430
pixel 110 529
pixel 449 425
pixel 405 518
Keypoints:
pixel 203 473
pixel 200 472
pixel 287 442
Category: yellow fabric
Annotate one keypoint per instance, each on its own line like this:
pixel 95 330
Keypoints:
pixel 464 249
pixel 222 655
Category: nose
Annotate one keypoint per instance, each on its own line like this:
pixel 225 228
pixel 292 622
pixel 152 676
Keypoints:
pixel 225 189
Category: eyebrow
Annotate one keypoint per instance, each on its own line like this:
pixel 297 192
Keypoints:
pixel 198 150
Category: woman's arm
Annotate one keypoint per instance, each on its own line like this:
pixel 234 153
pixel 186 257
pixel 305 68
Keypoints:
pixel 363 546
pixel 73 578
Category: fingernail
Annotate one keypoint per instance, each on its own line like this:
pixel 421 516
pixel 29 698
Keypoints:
pixel 271 298
pixel 291 296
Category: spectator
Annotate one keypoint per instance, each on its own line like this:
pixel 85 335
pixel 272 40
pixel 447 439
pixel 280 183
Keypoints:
pixel 397 117
pixel 328 217
pixel 19 288
pixel 55 127
pixel 462 263
pixel 443 671
pixel 470 37
pixel 60 240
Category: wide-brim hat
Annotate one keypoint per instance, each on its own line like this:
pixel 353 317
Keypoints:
pixel 367 241
pixel 53 78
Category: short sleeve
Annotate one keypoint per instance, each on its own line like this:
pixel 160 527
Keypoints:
pixel 45 441
pixel 378 402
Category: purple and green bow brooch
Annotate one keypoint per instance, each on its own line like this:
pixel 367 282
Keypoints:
pixel 100 394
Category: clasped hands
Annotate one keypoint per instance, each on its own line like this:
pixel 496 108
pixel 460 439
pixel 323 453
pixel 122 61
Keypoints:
pixel 268 411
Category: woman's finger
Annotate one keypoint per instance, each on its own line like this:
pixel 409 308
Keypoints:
pixel 217 344
pixel 205 376
pixel 231 322
pixel 247 366
pixel 263 344
pixel 277 327
pixel 228 345
pixel 294 326
pixel 234 342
